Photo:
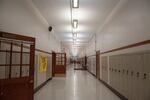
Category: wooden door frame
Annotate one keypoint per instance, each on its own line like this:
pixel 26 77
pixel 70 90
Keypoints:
pixel 53 63
pixel 98 64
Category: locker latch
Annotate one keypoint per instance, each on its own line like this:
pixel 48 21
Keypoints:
pixel 131 73
pixel 144 76
pixel 127 72
pixel 137 74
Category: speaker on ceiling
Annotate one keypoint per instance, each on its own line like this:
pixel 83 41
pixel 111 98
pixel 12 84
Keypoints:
pixel 50 28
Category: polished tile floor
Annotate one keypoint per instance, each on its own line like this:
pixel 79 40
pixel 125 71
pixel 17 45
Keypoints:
pixel 77 85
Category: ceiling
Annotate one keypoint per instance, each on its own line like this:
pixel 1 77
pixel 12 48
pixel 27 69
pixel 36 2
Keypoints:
pixel 91 14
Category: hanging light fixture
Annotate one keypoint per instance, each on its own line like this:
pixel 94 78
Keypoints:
pixel 75 3
pixel 75 23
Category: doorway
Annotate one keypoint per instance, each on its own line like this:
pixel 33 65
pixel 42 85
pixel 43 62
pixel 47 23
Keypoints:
pixel 59 64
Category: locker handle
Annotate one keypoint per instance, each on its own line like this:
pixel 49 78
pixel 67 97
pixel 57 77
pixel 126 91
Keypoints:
pixel 137 74
pixel 123 71
pixel 144 76
pixel 127 72
pixel 131 73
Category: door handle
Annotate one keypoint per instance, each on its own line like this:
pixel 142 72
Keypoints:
pixel 31 81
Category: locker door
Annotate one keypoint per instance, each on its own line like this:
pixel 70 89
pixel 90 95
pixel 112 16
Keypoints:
pixel 126 61
pixel 146 76
pixel 137 64
pixel 110 71
pixel 123 75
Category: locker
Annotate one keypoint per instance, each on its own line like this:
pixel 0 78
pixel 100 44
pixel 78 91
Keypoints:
pixel 120 74
pixel 146 77
pixel 126 61
pixel 123 75
pixel 137 85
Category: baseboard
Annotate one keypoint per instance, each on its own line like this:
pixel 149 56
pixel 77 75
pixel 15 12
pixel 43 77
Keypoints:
pixel 79 69
pixel 113 90
pixel 42 85
pixel 91 73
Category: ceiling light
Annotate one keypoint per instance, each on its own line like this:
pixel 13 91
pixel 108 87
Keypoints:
pixel 75 3
pixel 74 35
pixel 75 23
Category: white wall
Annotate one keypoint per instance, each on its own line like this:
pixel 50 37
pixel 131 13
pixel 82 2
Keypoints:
pixel 22 17
pixel 128 23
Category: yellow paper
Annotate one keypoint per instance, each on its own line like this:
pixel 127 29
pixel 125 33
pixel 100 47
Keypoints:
pixel 43 63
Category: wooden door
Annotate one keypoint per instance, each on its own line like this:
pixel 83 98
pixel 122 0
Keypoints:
pixel 59 64
pixel 98 64
pixel 53 63
pixel 16 67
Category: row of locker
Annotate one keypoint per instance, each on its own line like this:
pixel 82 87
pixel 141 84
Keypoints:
pixel 91 64
pixel 129 74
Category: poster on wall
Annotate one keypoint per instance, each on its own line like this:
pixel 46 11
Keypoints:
pixel 43 63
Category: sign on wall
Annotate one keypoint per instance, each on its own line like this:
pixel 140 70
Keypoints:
pixel 43 63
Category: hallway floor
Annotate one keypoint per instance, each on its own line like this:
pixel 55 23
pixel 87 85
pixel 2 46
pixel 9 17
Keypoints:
pixel 77 85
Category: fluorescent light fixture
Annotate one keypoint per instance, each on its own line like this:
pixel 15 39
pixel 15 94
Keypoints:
pixel 75 23
pixel 75 3
pixel 74 35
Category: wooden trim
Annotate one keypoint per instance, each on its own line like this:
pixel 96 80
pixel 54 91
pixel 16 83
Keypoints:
pixel 113 90
pixel 91 73
pixel 10 62
pixel 16 36
pixel 14 51
pixel 98 64
pixel 79 69
pixel 90 56
pixel 42 85
pixel 21 57
pixel 43 51
pixel 14 64
pixel 128 46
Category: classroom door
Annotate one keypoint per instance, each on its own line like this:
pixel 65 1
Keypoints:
pixel 16 67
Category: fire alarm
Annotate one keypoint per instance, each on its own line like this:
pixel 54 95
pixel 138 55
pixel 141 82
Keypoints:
pixel 50 28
